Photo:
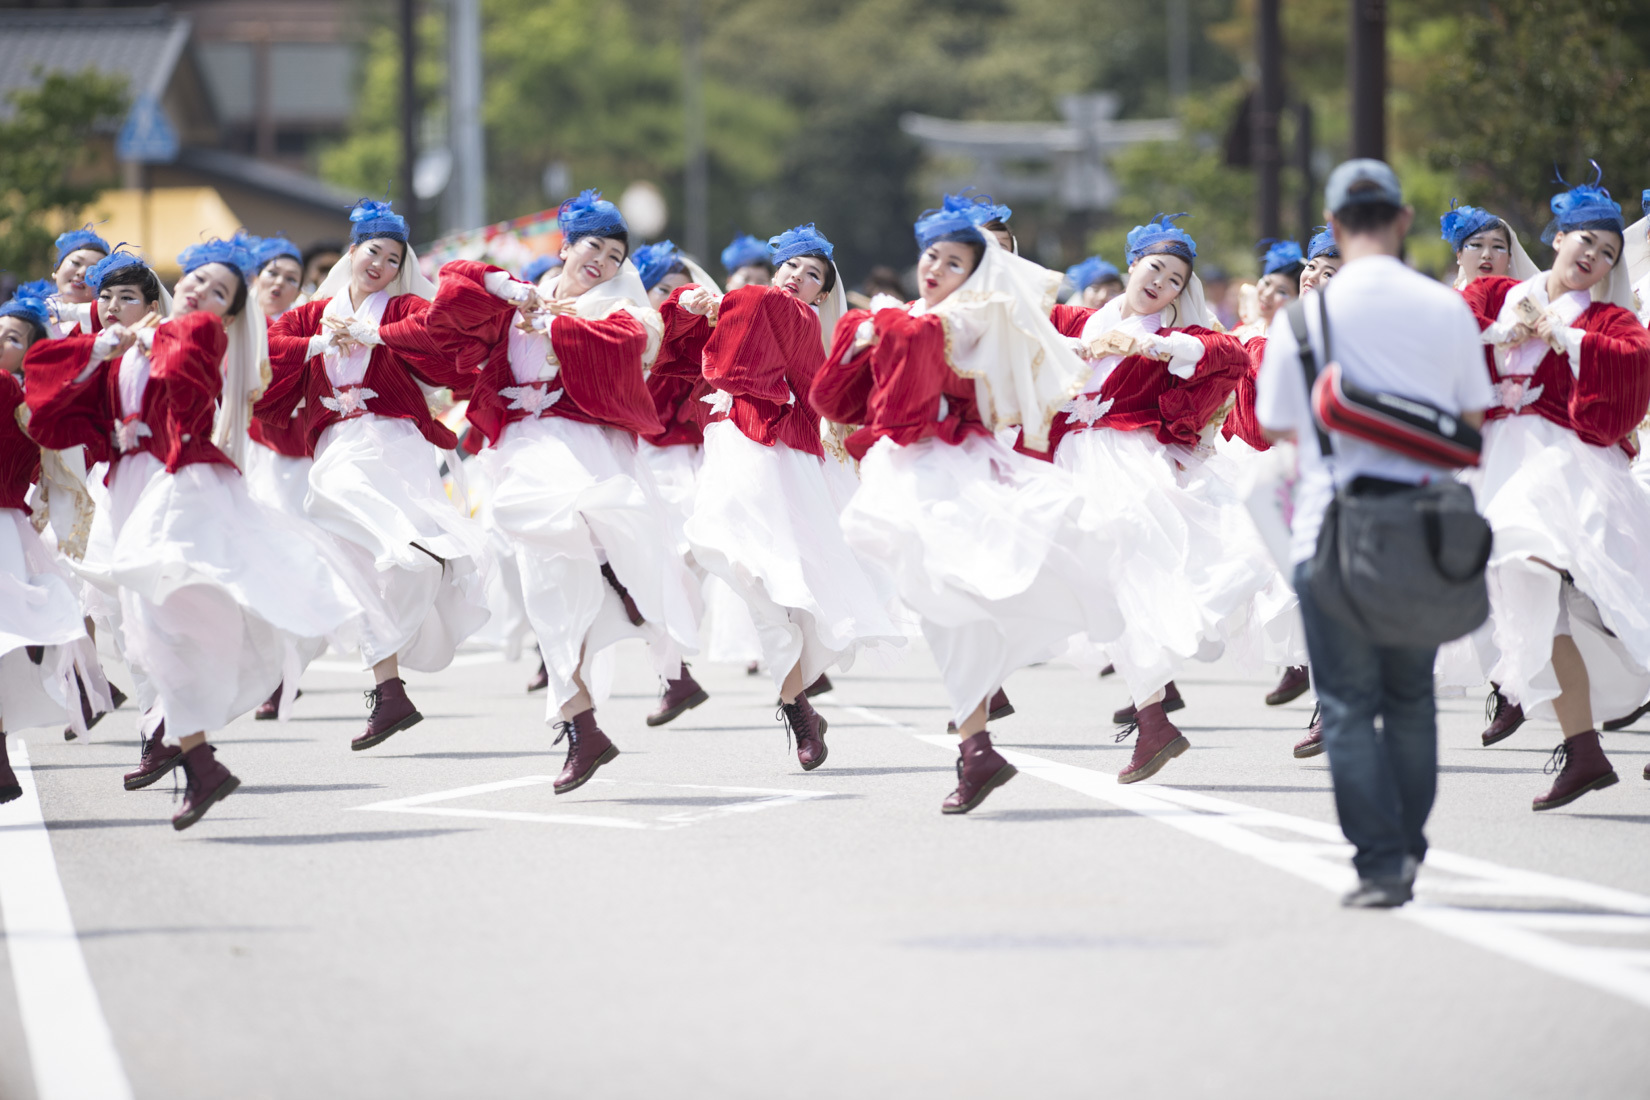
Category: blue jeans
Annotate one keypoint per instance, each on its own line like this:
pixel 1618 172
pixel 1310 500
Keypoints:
pixel 1385 778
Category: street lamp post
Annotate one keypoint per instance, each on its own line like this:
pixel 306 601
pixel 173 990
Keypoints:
pixel 1366 66
pixel 1268 105
pixel 409 113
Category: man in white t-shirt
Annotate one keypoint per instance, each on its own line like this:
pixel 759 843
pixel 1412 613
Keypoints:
pixel 1394 331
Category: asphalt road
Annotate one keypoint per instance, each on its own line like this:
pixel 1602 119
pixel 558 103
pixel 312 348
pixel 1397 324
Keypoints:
pixel 428 920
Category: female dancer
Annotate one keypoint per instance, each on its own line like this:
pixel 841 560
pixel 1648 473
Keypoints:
pixel 748 262
pixel 347 364
pixel 1094 282
pixel 43 631
pixel 1567 591
pixel 1323 259
pixel 1484 245
pixel 1159 390
pixel 930 382
pixel 764 520
pixel 77 251
pixel 561 398
pixel 207 577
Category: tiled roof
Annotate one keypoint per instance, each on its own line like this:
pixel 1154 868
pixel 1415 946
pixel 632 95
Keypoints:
pixel 144 44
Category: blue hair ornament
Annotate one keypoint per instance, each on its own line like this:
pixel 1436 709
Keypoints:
pixel 118 260
pixel 273 248
pixel 587 214
pixel 236 252
pixel 76 239
pixel 370 218
pixel 29 302
pixel 655 261
pixel 1323 244
pixel 1461 222
pixel 745 251
pixel 538 265
pixel 1584 206
pixel 1280 256
pixel 804 240
pixel 1160 235
pixel 963 213
pixel 1090 271
pixel 1644 201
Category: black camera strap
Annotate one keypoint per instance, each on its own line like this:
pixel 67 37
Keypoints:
pixel 1309 360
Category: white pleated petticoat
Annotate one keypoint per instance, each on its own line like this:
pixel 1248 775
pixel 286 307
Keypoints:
pixel 39 607
pixel 765 523
pixel 1577 507
pixel 219 595
pixel 1187 569
pixel 507 628
pixel 277 480
pixel 377 489
pixel 570 497
pixel 996 553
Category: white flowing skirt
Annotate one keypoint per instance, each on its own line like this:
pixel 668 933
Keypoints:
pixel 277 480
pixel 39 607
pixel 994 551
pixel 675 472
pixel 570 497
pixel 507 628
pixel 765 523
pixel 1187 570
pixel 220 596
pixel 1577 507
pixel 415 559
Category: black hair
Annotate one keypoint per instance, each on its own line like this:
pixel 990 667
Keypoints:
pixel 620 235
pixel 321 248
pixel 997 225
pixel 677 267
pixel 1368 217
pixel 282 256
pixel 1496 226
pixel 1169 248
pixel 1118 279
pixel 1292 272
pixel 402 241
pixel 137 275
pixel 239 303
pixel 830 269
pixel 969 237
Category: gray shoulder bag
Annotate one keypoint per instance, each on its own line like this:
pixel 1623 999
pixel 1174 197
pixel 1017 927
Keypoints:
pixel 1402 564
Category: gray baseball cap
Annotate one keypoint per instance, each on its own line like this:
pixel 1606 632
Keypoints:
pixel 1355 182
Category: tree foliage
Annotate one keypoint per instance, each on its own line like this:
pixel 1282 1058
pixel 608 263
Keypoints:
pixel 49 165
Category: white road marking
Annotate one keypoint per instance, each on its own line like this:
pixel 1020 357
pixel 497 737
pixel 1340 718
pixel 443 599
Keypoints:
pixel 70 1047
pixel 1537 911
pixel 764 799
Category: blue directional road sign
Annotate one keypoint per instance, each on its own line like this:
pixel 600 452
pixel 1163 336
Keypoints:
pixel 147 135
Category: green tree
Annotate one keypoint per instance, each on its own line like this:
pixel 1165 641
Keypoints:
pixel 51 163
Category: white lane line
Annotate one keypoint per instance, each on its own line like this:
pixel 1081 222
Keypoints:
pixel 70 1047
pixel 762 798
pixel 1538 909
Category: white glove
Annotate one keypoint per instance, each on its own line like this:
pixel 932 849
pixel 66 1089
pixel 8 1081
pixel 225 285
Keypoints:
pixel 104 345
pixel 145 338
pixel 1076 345
pixel 700 301
pixel 1183 351
pixel 501 285
pixel 365 332
pixel 318 345
pixel 880 302
pixel 864 334
pixel 1571 339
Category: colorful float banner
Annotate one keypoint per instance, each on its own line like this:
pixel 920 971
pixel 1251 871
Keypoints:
pixel 511 245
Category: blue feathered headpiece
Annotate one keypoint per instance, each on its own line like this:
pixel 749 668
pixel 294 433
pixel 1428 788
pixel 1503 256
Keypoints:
pixel 655 261
pixel 236 252
pixel 745 251
pixel 118 260
pixel 538 265
pixel 1280 256
pixel 1461 222
pixel 587 214
pixel 1584 206
pixel 273 248
pixel 1090 271
pixel 801 241
pixel 370 218
pixel 1644 201
pixel 1323 244
pixel 29 303
pixel 963 213
pixel 79 238
pixel 1160 235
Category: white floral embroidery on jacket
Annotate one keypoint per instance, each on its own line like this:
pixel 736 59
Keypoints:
pixel 1517 394
pixel 350 401
pixel 534 399
pixel 129 433
pixel 720 401
pixel 1087 408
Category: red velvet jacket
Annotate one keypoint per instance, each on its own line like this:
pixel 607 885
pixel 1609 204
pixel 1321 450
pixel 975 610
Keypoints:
pixel 677 380
pixel 179 402
pixel 600 373
pixel 292 440
pixel 1069 320
pixel 1608 401
pixel 1242 421
pixel 899 387
pixel 764 350
pixel 407 353
pixel 19 454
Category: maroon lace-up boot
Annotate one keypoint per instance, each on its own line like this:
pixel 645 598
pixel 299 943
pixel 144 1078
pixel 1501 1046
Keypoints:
pixel 1581 766
pixel 820 686
pixel 808 726
pixel 10 789
pixel 1109 670
pixel 999 707
pixel 1293 685
pixel 270 709
pixel 208 782
pixel 682 694
pixel 587 749
pixel 155 761
pixel 1171 702
pixel 1157 743
pixel 630 607
pixel 541 678
pixel 1504 715
pixel 392 712
pixel 1312 744
pixel 980 770
pixel 1623 722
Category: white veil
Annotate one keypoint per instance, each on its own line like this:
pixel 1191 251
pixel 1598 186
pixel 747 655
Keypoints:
pixel 245 377
pixel 834 306
pixel 1023 369
pixel 1520 266
pixel 409 280
pixel 1635 260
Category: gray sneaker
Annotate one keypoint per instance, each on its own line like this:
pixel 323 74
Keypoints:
pixel 1371 893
